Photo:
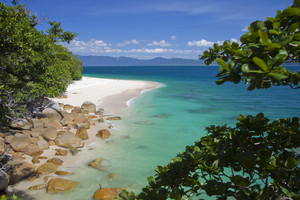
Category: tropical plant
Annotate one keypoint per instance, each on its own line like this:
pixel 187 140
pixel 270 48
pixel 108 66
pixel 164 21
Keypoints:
pixel 12 197
pixel 258 158
pixel 32 64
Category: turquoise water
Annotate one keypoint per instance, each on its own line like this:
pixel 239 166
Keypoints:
pixel 160 123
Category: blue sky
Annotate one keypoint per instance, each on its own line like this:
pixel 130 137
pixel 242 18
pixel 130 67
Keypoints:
pixel 152 28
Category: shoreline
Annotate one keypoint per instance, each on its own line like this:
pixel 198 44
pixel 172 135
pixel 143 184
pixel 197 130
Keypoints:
pixel 114 96
pixel 110 94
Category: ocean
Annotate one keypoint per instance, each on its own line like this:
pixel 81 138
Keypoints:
pixel 161 122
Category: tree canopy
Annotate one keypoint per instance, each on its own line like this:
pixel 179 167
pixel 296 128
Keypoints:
pixel 32 64
pixel 258 158
pixel 258 59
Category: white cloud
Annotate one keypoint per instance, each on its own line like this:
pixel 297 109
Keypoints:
pixel 173 37
pixel 200 43
pixel 128 42
pixel 161 43
pixel 205 43
pixel 99 47
pixel 245 29
pixel 135 42
pixel 91 45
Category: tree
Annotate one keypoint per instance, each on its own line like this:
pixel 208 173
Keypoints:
pixel 256 159
pixel 76 68
pixel 267 45
pixel 32 65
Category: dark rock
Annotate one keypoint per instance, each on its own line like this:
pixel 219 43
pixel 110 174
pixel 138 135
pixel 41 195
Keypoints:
pixel 104 134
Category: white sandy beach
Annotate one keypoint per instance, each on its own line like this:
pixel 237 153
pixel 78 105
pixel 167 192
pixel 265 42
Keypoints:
pixel 112 95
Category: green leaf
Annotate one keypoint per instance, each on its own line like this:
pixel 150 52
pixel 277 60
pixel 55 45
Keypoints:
pixel 239 180
pixel 276 25
pixel 291 163
pixel 261 63
pixel 272 31
pixel 264 37
pixel 220 81
pixel 296 36
pixel 223 64
pixel 281 55
pixel 150 179
pixel 291 12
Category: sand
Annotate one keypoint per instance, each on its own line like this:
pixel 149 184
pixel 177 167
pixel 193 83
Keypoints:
pixel 110 94
pixel 114 96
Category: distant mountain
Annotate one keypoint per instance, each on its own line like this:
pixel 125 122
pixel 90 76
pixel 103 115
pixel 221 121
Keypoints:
pixel 127 61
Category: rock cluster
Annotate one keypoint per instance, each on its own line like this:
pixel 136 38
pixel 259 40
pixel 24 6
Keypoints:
pixel 62 128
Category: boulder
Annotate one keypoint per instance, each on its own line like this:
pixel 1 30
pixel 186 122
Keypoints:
pixel 68 107
pixel 104 134
pixel 101 120
pixel 43 144
pixel 107 193
pixel 80 119
pixel 53 123
pixel 61 152
pixel 97 163
pixel 74 151
pixel 69 140
pixel 67 121
pixel 52 114
pixel 56 161
pixel 36 133
pixel 51 143
pixel 76 110
pixel 62 173
pixel 9 138
pixel 114 118
pixel 38 124
pixel 4 181
pixel 64 132
pixel 38 187
pixel 89 107
pixel 18 169
pixel 46 168
pixel 83 125
pixel 55 106
pixel 32 178
pixel 82 133
pixel 2 146
pixel 20 142
pixel 22 124
pixel 58 185
pixel 50 133
pixel 33 150
pixel 46 178
pixel 34 140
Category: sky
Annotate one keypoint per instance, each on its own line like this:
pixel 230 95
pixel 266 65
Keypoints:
pixel 146 29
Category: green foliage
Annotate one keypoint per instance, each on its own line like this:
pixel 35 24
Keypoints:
pixel 12 197
pixel 258 59
pixel 76 68
pixel 32 65
pixel 57 33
